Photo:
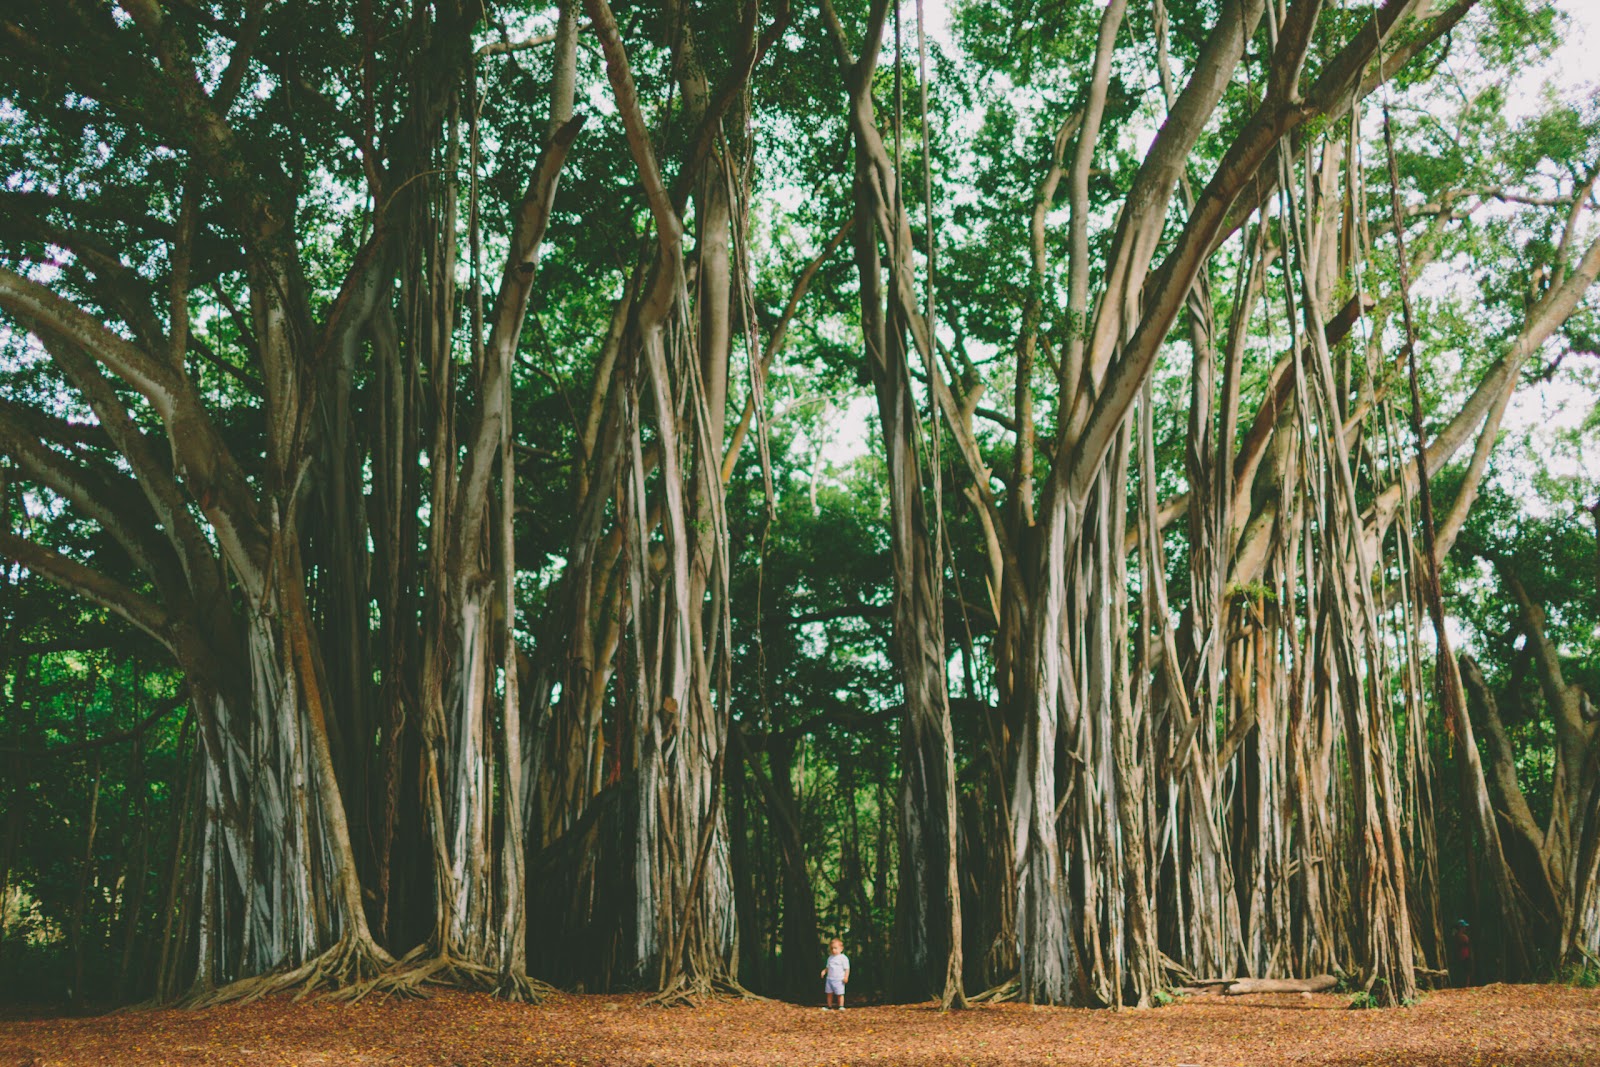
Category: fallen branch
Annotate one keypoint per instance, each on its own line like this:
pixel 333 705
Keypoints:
pixel 1322 983
pixel 999 994
pixel 1173 967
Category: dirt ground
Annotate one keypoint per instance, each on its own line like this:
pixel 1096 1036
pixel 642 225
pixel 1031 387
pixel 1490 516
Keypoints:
pixel 1493 1026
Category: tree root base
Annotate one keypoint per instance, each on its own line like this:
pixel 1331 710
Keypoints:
pixel 352 970
pixel 351 962
pixel 686 991
pixel 421 969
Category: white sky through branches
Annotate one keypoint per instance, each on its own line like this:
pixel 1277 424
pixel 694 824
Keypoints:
pixel 1542 410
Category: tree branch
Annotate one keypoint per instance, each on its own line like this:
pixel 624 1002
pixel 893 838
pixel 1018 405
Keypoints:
pixel 89 583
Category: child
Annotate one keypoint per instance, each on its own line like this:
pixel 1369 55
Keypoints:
pixel 1461 955
pixel 836 974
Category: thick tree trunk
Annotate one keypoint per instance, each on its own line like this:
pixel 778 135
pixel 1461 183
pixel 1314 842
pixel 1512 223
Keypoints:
pixel 675 590
pixel 1046 694
pixel 278 896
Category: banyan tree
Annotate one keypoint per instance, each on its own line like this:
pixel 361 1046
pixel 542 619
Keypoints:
pixel 619 488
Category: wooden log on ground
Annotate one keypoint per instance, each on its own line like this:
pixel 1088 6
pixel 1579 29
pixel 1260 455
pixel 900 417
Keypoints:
pixel 1321 983
pixel 1006 990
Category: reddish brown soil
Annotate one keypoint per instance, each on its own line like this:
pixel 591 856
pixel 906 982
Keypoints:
pixel 1494 1025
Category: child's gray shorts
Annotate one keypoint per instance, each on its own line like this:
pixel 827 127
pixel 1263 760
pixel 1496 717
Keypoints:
pixel 834 985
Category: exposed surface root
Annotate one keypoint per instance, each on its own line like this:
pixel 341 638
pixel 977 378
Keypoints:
pixel 1177 972
pixel 689 991
pixel 351 962
pixel 523 989
pixel 422 969
pixel 352 969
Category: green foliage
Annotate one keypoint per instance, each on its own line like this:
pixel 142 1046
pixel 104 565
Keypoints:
pixel 1376 997
pixel 1253 592
pixel 1364 1000
pixel 77 680
pixel 1585 975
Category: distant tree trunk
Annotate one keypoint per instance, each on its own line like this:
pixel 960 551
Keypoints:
pixel 86 874
pixel 802 940
pixel 1554 863
pixel 138 866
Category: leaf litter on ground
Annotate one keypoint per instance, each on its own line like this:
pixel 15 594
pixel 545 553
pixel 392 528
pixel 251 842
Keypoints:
pixel 1489 1026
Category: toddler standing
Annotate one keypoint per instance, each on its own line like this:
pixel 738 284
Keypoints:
pixel 835 975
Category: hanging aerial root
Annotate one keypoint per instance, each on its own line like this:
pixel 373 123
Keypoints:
pixel 350 963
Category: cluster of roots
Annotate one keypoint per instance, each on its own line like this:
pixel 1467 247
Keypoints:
pixel 424 967
pixel 690 990
pixel 356 968
pixel 351 962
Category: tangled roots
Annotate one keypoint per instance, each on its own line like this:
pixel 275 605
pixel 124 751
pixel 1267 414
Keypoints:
pixel 688 991
pixel 424 967
pixel 351 962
